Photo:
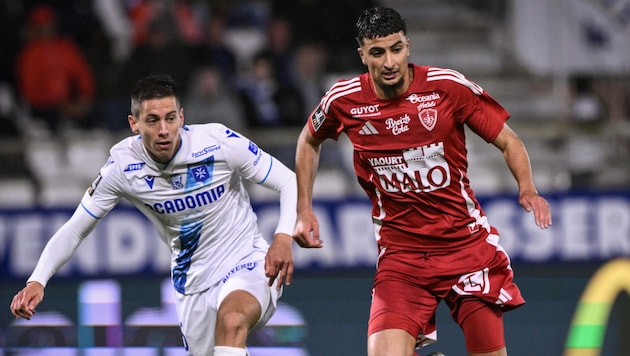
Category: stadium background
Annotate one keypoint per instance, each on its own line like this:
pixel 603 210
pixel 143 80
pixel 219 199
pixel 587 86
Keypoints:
pixel 534 56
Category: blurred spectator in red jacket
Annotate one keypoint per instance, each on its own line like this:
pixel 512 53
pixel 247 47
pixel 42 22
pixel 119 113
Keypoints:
pixel 186 25
pixel 54 79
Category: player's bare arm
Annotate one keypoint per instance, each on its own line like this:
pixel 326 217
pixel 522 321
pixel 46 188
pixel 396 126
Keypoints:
pixel 306 232
pixel 517 159
pixel 279 260
pixel 26 301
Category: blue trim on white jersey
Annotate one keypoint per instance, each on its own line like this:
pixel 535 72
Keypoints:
pixel 268 171
pixel 89 212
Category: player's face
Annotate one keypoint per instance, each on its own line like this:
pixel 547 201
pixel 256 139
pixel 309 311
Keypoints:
pixel 158 125
pixel 386 61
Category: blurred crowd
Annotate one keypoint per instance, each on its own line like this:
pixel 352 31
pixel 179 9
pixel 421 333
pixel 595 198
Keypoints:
pixel 250 64
pixel 245 63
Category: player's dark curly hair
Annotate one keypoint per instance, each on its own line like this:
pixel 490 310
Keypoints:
pixel 379 22
pixel 152 87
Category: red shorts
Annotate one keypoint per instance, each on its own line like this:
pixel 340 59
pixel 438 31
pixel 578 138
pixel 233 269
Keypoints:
pixel 409 285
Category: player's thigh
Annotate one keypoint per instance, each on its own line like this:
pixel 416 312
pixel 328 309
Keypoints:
pixel 400 305
pixel 481 323
pixel 254 282
pixel 197 316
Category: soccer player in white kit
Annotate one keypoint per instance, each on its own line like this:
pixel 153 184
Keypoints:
pixel 188 180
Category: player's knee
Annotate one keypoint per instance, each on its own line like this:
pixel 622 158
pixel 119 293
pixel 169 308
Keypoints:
pixel 391 342
pixel 232 323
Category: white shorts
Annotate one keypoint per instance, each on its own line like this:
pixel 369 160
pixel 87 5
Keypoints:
pixel 197 313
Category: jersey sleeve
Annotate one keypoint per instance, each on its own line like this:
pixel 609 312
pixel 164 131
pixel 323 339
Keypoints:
pixel 484 115
pixel 324 125
pixel 105 191
pixel 245 157
pixel 477 109
pixel 102 195
pixel 258 166
pixel 62 245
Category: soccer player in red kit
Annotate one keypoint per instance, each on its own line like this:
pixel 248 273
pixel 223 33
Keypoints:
pixel 406 124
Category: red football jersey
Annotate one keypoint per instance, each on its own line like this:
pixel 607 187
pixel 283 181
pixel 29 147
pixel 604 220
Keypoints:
pixel 410 154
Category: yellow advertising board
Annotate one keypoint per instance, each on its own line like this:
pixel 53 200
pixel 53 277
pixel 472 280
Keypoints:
pixel 588 327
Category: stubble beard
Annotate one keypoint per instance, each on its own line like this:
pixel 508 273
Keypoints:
pixel 391 90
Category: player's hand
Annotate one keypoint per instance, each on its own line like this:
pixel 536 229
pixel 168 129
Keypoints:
pixel 26 301
pixel 306 232
pixel 531 201
pixel 279 260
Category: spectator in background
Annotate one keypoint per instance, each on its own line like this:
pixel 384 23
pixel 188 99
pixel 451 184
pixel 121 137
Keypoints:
pixel 54 79
pixel 309 72
pixel 210 100
pixel 185 24
pixel 162 52
pixel 267 102
pixel 212 49
pixel 280 48
pixel 321 21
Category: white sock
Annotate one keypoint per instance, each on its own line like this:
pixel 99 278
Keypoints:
pixel 229 351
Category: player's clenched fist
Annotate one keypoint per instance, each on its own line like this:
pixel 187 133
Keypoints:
pixel 26 300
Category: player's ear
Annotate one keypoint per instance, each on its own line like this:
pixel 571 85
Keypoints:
pixel 360 52
pixel 181 116
pixel 133 124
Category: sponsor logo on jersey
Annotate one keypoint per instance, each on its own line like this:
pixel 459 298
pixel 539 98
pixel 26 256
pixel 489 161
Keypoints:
pixel 363 111
pixel 131 167
pixel 421 169
pixel 428 118
pixel 205 151
pixel 249 266
pixel 176 181
pixel 318 118
pixel 192 201
pixel 415 98
pixel 398 126
pixel 391 162
pixel 368 129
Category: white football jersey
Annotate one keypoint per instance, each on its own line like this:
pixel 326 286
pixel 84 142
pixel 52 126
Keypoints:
pixel 197 201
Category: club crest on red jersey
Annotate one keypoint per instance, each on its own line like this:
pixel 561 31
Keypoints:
pixel 428 118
